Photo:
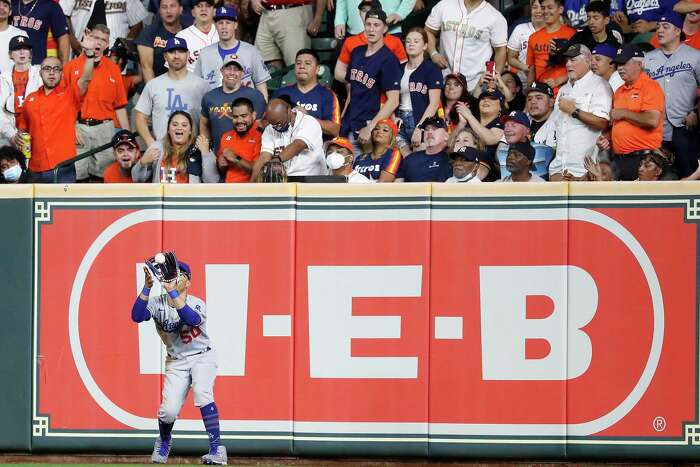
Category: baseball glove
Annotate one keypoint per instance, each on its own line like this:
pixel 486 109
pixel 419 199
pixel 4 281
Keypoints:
pixel 166 271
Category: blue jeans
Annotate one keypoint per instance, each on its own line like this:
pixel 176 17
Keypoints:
pixel 408 126
pixel 684 144
pixel 65 175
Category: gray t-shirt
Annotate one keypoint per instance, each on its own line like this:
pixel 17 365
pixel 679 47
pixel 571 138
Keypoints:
pixel 163 95
pixel 180 339
pixel 679 77
pixel 210 61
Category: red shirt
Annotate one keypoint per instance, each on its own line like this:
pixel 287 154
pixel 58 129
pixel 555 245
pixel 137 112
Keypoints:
pixel 50 120
pixel 113 174
pixel 105 93
pixel 247 147
pixel 19 82
pixel 392 43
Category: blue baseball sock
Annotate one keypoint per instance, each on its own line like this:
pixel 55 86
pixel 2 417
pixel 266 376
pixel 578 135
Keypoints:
pixel 210 416
pixel 165 429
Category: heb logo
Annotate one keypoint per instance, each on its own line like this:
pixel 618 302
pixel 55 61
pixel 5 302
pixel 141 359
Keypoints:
pixel 527 308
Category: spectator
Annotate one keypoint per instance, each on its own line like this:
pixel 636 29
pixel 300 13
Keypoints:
pixel 676 68
pixel 520 162
pixel 13 166
pixel 637 115
pixel 455 91
pixel 464 138
pixel 177 89
pixel 120 56
pixel 310 97
pixel 126 154
pixel 295 138
pixel 105 98
pixel 211 57
pixel 124 18
pixel 216 104
pixel 151 42
pixel 50 115
pixel 382 163
pixel 600 171
pixel 539 107
pixel 19 81
pixel 421 87
pixel 346 13
pixel 283 28
pixel 177 157
pixel 584 111
pixel 603 65
pixel 7 33
pixel 202 33
pixel 37 18
pixel 471 32
pixel 492 81
pixel 518 41
pixel 373 71
pixel 465 165
pixel 655 165
pixel 516 101
pixel 392 42
pixel 597 30
pixel 637 17
pixel 340 158
pixel 517 130
pixel 432 163
pixel 541 56
pixel 691 23
pixel 240 147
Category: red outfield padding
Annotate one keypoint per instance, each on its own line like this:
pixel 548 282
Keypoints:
pixel 412 319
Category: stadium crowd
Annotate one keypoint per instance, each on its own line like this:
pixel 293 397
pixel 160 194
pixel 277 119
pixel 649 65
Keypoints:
pixel 190 91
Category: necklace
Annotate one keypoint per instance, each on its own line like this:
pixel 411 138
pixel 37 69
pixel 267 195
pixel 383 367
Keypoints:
pixel 19 8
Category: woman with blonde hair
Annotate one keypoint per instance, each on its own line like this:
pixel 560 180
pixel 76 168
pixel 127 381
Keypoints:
pixel 178 157
pixel 382 163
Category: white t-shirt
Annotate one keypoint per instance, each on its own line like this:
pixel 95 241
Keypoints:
pixel 405 102
pixel 467 38
pixel 5 36
pixel 518 42
pixel 121 15
pixel 469 178
pixel 196 41
pixel 310 161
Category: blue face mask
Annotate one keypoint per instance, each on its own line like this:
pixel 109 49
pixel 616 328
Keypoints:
pixel 13 173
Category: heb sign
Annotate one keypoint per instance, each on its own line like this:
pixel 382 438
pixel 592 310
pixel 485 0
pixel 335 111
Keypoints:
pixel 353 316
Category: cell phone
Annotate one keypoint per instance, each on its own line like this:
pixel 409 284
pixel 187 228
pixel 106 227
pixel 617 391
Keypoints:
pixel 490 67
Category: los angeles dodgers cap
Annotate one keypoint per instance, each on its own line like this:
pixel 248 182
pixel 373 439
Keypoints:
pixel 226 12
pixel 175 43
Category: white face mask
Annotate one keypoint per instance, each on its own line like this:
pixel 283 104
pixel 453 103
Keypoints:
pixel 13 173
pixel 335 160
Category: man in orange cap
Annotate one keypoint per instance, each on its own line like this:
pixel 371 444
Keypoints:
pixel 340 158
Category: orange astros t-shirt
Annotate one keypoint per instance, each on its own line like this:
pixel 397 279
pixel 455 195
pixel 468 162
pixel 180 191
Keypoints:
pixel 645 94
pixel 247 147
pixel 538 53
pixel 113 174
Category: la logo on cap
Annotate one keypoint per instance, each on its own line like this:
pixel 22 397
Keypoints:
pixel 223 10
pixel 512 114
pixel 20 39
pixel 619 51
pixel 177 41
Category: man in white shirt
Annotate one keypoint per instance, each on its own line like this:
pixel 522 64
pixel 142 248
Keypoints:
pixel 465 165
pixel 470 31
pixel 584 104
pixel 124 18
pixel 294 138
pixel 202 33
pixel 7 32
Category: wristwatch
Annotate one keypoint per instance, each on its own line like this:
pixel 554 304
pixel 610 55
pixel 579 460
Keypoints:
pixel 576 114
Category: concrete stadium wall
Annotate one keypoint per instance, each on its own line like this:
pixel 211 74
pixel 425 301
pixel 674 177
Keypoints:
pixel 546 321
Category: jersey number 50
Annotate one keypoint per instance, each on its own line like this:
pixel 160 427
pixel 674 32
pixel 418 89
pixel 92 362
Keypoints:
pixel 190 334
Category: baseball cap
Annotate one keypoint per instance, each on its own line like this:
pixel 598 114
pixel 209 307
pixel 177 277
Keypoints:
pixel 519 117
pixel 573 51
pixel 19 42
pixel 376 13
pixel 210 2
pixel 341 143
pixel 539 87
pixel 470 154
pixel 493 94
pixel 673 18
pixel 390 123
pixel 459 77
pixel 124 137
pixel 523 148
pixel 369 3
pixel 607 50
pixel 437 122
pixel 175 43
pixel 184 267
pixel 627 52
pixel 226 12
pixel 597 6
pixel 232 59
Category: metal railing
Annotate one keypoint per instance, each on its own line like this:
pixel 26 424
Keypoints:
pixel 79 157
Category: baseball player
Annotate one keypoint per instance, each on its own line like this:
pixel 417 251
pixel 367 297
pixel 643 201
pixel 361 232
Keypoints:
pixel 180 320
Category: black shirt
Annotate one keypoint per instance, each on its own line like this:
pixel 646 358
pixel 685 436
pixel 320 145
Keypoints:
pixel 585 37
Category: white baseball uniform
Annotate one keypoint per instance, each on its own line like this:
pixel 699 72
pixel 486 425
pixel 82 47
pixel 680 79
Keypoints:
pixel 518 42
pixel 208 66
pixel 196 41
pixel 310 161
pixel 121 15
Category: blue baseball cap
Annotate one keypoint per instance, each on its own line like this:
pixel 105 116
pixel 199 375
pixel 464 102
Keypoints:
pixel 607 50
pixel 519 117
pixel 175 43
pixel 226 12
pixel 184 267
pixel 673 18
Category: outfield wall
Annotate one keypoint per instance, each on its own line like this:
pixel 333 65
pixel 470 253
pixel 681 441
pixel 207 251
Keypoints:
pixel 503 320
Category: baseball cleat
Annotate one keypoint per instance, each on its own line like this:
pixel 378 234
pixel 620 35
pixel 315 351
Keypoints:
pixel 161 450
pixel 218 458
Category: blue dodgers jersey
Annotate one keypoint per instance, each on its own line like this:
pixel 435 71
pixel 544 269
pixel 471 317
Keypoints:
pixel 575 10
pixel 369 78
pixel 648 10
pixel 320 102
pixel 421 167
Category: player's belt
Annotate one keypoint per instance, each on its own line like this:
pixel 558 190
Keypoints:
pixel 284 6
pixel 92 121
pixel 194 354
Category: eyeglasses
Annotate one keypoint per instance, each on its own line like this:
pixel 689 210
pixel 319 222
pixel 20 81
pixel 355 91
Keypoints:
pixel 55 69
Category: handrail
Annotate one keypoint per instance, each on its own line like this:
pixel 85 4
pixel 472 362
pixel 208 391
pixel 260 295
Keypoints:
pixel 79 157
